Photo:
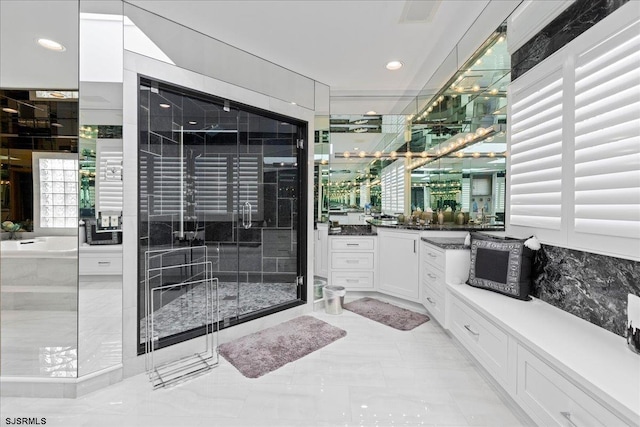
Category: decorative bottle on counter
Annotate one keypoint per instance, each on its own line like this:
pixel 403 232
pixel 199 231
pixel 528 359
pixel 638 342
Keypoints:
pixel 440 217
pixel 460 218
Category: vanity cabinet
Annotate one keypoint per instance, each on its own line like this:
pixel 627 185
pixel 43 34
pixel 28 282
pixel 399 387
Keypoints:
pixel 437 267
pixel 100 260
pixel 560 369
pixel 552 400
pixel 352 262
pixel 398 264
pixel 486 341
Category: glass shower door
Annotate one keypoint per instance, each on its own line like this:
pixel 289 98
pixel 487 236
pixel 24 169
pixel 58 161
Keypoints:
pixel 267 194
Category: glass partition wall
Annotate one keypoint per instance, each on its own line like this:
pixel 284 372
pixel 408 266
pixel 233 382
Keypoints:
pixel 218 182
pixel 38 191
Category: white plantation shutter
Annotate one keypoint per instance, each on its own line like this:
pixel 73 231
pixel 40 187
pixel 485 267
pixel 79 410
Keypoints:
pixel 499 192
pixel 392 187
pixel 536 154
pixel 211 185
pixel 607 137
pixel 246 172
pixel 592 157
pixel 109 184
pixel 166 185
pixel 466 194
pixel 143 185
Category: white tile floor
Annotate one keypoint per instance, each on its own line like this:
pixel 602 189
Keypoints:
pixel 375 376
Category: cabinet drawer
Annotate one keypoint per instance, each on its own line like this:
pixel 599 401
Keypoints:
pixel 432 277
pixel 552 400
pixel 433 256
pixel 352 261
pixel 100 265
pixel 487 342
pixel 353 279
pixel 352 244
pixel 433 301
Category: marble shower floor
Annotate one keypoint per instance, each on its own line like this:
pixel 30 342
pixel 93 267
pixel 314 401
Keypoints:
pixel 375 376
pixel 188 310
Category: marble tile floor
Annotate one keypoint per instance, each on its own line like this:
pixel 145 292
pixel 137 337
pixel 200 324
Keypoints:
pixel 188 310
pixel 44 343
pixel 375 376
pixel 38 343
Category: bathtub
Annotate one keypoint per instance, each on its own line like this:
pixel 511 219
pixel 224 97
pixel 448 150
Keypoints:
pixel 41 247
pixel 28 265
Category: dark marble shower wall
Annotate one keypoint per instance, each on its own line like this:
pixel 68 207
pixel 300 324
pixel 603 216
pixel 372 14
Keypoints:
pixel 575 20
pixel 591 286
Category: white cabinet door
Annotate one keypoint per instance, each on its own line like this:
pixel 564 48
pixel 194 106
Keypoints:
pixel 398 264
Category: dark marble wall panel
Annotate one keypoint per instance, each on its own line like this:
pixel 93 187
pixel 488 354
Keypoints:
pixel 575 20
pixel 591 286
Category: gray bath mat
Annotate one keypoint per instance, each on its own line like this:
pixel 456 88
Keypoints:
pixel 265 351
pixel 387 314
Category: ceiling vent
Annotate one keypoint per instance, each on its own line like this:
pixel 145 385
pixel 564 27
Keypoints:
pixel 419 12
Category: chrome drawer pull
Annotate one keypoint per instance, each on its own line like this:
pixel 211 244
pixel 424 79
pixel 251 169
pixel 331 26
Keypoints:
pixel 431 301
pixel 352 261
pixel 431 275
pixel 567 415
pixel 432 255
pixel 352 281
pixel 353 244
pixel 104 262
pixel 468 328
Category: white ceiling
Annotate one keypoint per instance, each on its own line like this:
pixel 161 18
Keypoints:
pixel 346 44
pixel 343 44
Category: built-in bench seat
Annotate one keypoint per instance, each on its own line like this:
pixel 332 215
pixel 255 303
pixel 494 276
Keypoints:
pixel 561 369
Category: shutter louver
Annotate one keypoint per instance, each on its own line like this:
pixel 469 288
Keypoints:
pixel 607 137
pixel 536 156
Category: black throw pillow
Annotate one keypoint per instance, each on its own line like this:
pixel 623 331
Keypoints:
pixel 501 265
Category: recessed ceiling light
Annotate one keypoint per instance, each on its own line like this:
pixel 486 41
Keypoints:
pixel 165 105
pixel 193 122
pixel 57 125
pixel 51 45
pixel 10 110
pixel 394 65
pixel 370 113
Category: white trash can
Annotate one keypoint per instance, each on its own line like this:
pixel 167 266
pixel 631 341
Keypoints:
pixel 333 299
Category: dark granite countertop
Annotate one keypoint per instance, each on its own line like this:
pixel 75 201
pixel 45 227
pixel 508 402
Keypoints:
pixel 352 230
pixel 446 242
pixel 436 227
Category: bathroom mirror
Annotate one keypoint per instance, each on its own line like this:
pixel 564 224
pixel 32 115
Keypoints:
pixel 321 153
pixel 100 156
pixel 463 125
pixel 355 192
pixel 38 156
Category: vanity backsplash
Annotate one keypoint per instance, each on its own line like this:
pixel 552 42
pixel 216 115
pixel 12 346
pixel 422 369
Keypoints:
pixel 591 286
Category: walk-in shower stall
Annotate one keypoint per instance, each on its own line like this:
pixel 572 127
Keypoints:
pixel 227 177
